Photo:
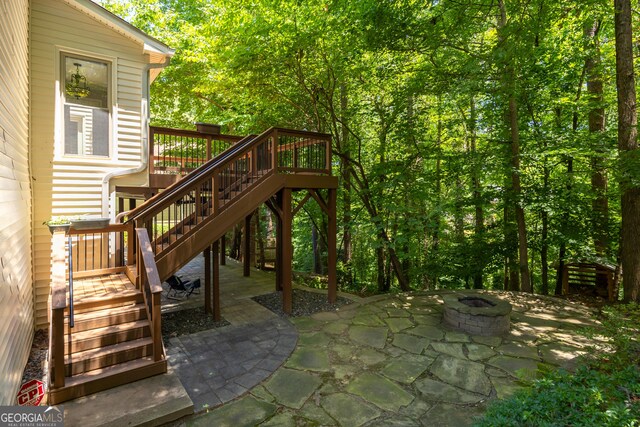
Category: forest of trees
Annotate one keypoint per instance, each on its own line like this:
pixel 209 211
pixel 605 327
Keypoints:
pixel 479 143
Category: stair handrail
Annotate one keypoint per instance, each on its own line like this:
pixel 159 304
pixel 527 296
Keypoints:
pixel 174 189
pixel 151 287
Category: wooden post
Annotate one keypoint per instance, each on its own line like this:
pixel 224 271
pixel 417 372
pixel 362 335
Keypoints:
pixel 223 249
pixel 57 325
pixel 287 252
pixel 151 151
pixel 279 243
pixel 331 243
pixel 274 151
pixel 247 246
pixel 327 159
pixel 157 327
pixel 216 282
pixel 208 308
pixel 131 246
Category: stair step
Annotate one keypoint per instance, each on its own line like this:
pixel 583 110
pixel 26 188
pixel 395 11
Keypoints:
pixel 106 378
pixel 121 298
pixel 97 358
pixel 107 317
pixel 106 336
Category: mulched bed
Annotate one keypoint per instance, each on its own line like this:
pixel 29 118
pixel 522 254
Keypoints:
pixel 35 365
pixel 187 321
pixel 305 303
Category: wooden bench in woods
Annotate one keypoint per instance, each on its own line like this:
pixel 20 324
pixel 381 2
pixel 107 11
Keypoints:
pixel 588 277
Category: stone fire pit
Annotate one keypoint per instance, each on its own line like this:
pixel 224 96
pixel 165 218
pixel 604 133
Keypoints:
pixel 477 314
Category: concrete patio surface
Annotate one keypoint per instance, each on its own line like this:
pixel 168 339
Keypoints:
pixel 149 402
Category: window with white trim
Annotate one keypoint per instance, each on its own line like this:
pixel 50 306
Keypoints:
pixel 87 107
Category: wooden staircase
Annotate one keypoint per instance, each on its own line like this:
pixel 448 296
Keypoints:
pixel 110 344
pixel 117 339
pixel 196 211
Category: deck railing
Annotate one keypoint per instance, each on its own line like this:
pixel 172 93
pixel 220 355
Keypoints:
pixel 179 151
pixel 101 250
pixel 221 181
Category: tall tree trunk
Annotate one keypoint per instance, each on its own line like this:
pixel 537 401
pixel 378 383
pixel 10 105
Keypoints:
pixel 382 283
pixel 544 244
pixel 317 258
pixel 347 252
pixel 511 278
pixel 260 237
pixel 458 221
pixel 628 147
pixel 600 205
pixel 435 233
pixel 564 221
pixel 509 83
pixel 236 242
pixel 477 198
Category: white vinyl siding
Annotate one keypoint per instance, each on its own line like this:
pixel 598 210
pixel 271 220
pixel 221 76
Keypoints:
pixel 72 185
pixel 16 290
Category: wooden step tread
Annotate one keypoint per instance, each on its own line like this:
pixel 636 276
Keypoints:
pixel 94 353
pixel 107 330
pixel 106 312
pixel 107 371
pixel 106 335
pixel 105 298
pixel 104 331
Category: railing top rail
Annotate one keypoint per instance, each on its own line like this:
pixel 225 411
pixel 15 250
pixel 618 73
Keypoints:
pixel 108 229
pixel 194 133
pixel 294 132
pixel 148 261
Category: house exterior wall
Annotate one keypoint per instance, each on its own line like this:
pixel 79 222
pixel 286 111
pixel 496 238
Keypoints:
pixel 67 185
pixel 16 291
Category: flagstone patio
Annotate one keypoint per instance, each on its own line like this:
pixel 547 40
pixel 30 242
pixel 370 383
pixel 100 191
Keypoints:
pixel 388 360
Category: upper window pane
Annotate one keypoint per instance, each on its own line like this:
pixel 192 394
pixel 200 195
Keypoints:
pixel 86 82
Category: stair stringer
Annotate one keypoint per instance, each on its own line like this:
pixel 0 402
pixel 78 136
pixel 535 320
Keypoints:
pixel 212 229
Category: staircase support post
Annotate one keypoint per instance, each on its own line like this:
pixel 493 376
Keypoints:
pixel 247 246
pixel 331 246
pixel 208 308
pixel 279 242
pixel 286 252
pixel 216 282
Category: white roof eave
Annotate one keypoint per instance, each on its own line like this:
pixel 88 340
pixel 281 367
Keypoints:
pixel 149 43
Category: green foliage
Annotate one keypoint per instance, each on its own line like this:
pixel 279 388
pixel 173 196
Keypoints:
pixel 414 95
pixel 620 332
pixel 603 391
pixel 586 398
